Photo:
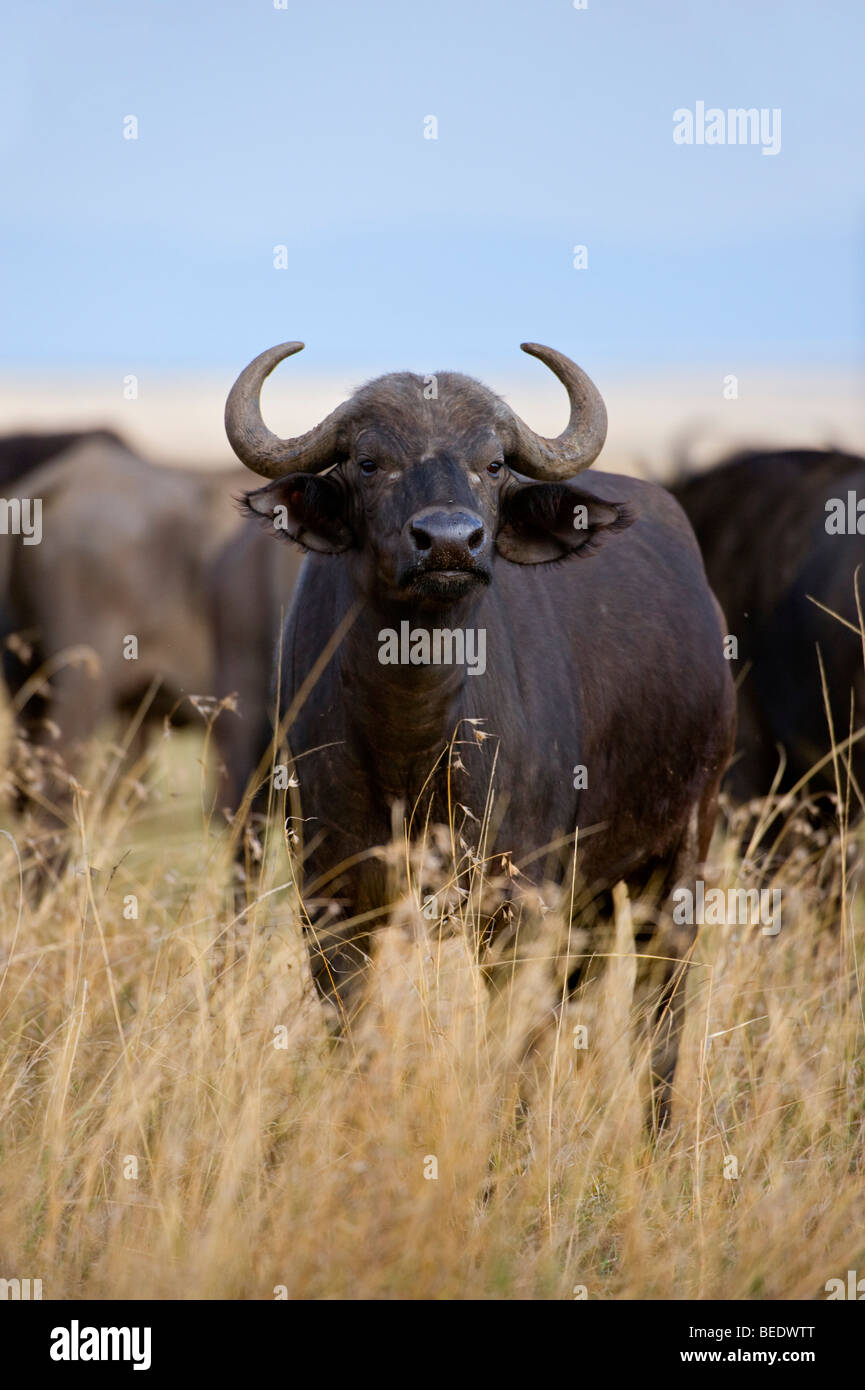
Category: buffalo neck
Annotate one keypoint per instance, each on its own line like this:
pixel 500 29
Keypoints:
pixel 405 712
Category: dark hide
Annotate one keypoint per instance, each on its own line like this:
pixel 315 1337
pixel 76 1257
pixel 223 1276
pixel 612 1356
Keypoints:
pixel 247 622
pixel 603 648
pixel 761 519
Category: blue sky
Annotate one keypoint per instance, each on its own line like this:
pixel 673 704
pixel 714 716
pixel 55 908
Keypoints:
pixel 304 127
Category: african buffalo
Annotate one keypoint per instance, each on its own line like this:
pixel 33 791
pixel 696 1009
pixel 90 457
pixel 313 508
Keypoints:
pixel 777 540
pixel 246 629
pixel 459 581
pixel 117 560
pixel 20 454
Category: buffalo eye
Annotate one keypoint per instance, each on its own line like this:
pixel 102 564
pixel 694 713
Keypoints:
pixel 367 467
pixel 494 467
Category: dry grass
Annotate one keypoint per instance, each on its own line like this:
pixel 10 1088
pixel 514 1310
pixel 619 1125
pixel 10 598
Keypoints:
pixel 176 1122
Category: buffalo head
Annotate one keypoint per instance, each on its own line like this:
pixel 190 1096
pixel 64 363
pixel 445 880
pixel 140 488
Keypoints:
pixel 422 480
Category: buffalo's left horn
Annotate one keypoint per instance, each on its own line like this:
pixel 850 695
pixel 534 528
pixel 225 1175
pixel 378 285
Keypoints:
pixel 583 437
pixel 255 445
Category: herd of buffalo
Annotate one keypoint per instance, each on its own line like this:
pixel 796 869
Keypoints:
pixel 643 647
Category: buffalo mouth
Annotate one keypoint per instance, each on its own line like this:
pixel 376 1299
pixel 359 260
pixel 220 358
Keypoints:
pixel 444 585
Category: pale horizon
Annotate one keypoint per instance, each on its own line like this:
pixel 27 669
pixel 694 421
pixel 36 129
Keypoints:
pixel 654 417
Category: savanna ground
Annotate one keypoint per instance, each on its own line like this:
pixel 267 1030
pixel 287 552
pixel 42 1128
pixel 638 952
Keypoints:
pixel 176 1122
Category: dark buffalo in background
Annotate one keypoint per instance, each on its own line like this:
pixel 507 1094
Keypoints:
pixel 442 509
pixel 125 551
pixel 761 520
pixel 251 584
pixel 21 453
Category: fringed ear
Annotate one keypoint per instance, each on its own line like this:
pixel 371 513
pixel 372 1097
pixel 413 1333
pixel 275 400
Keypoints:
pixel 304 508
pixel 548 521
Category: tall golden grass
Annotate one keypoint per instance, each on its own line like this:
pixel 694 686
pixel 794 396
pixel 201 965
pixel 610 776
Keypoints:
pixel 177 1122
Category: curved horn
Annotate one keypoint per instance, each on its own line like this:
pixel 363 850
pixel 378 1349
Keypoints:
pixel 579 444
pixel 255 445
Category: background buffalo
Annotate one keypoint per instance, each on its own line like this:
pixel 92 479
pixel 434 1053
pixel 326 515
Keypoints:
pixel 124 554
pixel 251 582
pixel 787 586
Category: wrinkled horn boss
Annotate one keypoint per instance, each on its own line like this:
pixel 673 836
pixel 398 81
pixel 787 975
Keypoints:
pixel 545 459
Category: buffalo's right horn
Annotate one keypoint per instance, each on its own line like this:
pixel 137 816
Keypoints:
pixel 255 445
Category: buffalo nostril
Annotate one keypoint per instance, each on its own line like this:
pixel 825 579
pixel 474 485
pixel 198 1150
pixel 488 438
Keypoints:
pixel 421 538
pixel 476 539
